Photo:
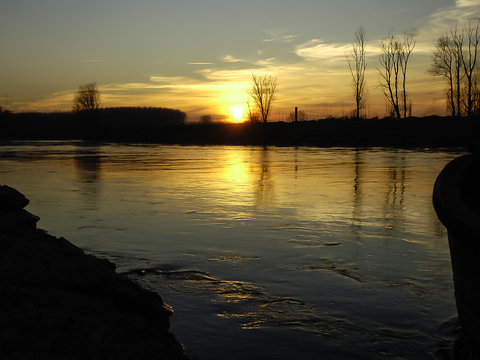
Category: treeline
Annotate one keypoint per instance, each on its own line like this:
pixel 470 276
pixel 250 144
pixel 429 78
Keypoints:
pixel 88 124
pixel 411 132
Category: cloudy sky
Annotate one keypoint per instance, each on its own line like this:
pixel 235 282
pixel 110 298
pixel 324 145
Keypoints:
pixel 199 55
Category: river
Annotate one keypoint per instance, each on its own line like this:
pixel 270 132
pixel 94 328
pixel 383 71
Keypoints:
pixel 263 252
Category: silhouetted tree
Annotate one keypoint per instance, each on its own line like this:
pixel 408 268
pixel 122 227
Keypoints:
pixel 457 48
pixel 394 60
pixel 455 57
pixel 445 63
pixel 205 119
pixel 476 95
pixel 358 70
pixel 469 60
pixel 263 94
pixel 409 43
pixel 87 97
pixel 252 116
pixel 390 61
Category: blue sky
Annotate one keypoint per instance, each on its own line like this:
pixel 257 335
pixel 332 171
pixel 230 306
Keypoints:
pixel 199 55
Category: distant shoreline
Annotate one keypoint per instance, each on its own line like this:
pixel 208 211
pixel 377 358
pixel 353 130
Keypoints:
pixel 413 132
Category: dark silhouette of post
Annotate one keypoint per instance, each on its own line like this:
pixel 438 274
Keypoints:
pixel 296 114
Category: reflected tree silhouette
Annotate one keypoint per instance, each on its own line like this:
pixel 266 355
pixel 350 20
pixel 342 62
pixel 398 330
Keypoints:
pixel 395 195
pixel 88 164
pixel 357 212
pixel 264 189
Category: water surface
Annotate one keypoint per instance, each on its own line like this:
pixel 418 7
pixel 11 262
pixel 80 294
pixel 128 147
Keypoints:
pixel 278 253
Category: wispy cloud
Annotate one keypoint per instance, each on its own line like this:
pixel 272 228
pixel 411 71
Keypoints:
pixel 443 20
pixel 59 101
pixel 278 35
pixel 466 3
pixel 266 62
pixel 318 49
pixel 286 38
pixel 231 59
pixel 450 16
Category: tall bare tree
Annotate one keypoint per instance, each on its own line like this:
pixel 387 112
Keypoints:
pixel 263 94
pixel 87 97
pixel 408 45
pixel 390 61
pixel 444 63
pixel 469 60
pixel 357 56
pixel 393 75
pixel 456 58
pixel 457 39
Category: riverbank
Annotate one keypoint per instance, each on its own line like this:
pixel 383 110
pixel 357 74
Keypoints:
pixel 56 302
pixel 429 132
pixel 424 132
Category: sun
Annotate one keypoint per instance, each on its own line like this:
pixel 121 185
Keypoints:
pixel 237 114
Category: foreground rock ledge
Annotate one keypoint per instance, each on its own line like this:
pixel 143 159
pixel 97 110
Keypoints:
pixel 56 302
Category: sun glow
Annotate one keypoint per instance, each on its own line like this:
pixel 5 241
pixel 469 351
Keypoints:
pixel 237 114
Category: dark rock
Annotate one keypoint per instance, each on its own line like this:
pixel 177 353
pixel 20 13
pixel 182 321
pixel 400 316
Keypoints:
pixel 56 302
pixel 11 199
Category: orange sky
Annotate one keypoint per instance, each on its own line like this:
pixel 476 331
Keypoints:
pixel 205 66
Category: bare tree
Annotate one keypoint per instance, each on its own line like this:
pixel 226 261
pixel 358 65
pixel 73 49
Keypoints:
pixel 444 63
pixel 455 57
pixel 358 69
pixel 390 61
pixel 205 119
pixel 252 116
pixel 457 39
pixel 408 45
pixel 476 95
pixel 87 97
pixel 263 94
pixel 394 60
pixel 469 60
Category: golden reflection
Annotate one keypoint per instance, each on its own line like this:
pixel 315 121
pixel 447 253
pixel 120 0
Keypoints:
pixel 357 213
pixel 235 170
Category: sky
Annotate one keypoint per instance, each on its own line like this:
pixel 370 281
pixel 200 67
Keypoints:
pixel 198 56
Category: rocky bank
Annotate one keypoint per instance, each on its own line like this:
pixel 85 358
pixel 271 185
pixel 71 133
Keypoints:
pixel 56 302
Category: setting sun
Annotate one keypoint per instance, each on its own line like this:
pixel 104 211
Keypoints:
pixel 237 114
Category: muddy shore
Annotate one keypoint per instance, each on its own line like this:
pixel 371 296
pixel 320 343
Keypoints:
pixel 56 302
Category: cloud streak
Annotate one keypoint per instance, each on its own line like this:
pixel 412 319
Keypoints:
pixel 231 59
pixel 317 49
